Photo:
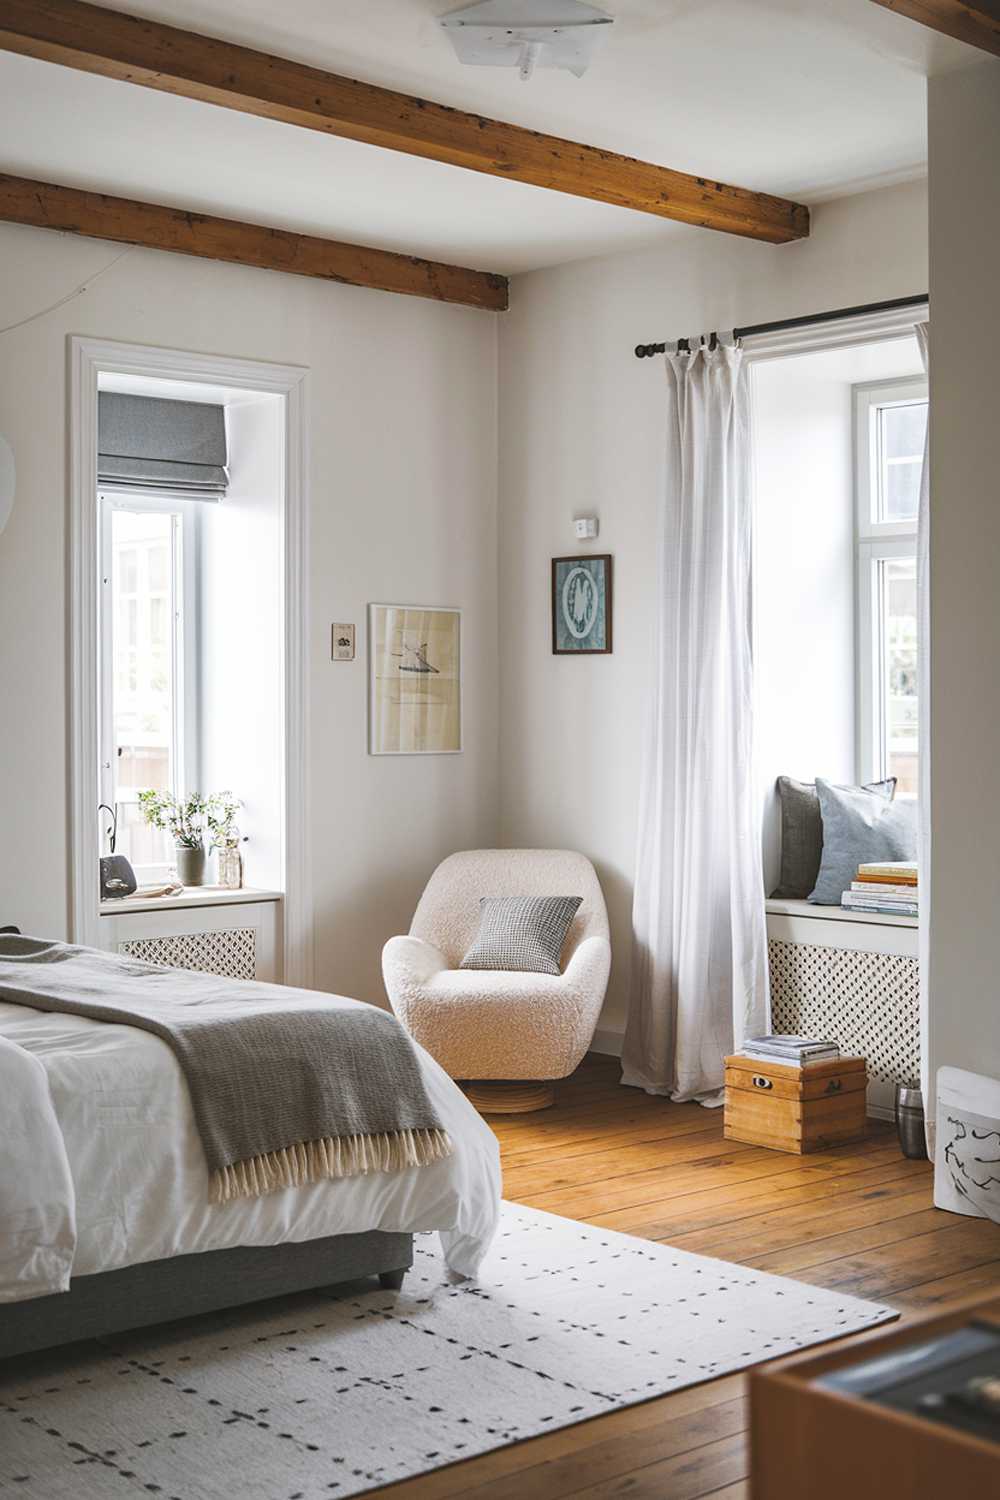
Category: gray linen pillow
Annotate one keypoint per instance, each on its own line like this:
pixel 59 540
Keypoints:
pixel 859 827
pixel 802 835
pixel 521 932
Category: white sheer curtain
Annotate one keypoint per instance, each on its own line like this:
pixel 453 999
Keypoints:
pixel 922 330
pixel 699 961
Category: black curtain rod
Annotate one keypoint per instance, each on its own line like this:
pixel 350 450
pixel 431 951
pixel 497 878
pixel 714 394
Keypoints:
pixel 645 351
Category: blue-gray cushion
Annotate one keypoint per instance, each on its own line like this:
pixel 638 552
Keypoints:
pixel 802 835
pixel 859 827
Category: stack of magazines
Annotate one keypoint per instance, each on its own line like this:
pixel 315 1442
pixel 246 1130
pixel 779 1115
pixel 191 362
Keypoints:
pixel 790 1051
pixel 888 889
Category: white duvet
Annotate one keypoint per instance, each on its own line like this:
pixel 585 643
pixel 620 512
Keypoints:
pixel 101 1165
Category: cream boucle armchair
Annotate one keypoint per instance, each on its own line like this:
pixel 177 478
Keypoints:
pixel 485 1024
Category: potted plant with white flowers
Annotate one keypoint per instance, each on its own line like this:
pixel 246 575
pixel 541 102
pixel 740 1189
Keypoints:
pixel 192 822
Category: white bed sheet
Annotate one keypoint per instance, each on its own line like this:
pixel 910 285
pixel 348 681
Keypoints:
pixel 114 1174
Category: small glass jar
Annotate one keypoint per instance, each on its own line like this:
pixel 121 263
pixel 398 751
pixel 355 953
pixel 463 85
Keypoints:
pixel 230 867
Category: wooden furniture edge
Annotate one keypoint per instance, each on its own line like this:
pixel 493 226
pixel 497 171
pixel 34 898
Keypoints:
pixel 785 1070
pixel 793 1374
pixel 906 1329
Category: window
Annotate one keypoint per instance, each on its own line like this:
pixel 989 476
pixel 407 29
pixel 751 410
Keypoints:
pixel 148 644
pixel 890 428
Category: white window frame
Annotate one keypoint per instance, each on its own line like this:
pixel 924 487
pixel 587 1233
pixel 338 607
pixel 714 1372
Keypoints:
pixel 875 541
pixel 185 640
pixel 89 360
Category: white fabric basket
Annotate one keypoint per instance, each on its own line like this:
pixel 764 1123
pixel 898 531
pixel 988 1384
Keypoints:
pixel 967 1152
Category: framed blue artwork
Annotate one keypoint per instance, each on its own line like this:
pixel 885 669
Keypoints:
pixel 581 605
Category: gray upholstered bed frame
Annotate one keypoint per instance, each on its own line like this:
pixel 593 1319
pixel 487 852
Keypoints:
pixel 160 1290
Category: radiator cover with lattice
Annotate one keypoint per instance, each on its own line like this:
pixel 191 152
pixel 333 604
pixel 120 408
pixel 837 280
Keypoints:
pixel 232 951
pixel 869 1003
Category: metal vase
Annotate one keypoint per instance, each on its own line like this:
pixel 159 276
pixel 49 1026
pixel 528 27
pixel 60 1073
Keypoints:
pixel 910 1121
pixel 190 865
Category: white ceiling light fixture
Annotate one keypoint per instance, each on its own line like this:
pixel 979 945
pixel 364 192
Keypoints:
pixel 526 34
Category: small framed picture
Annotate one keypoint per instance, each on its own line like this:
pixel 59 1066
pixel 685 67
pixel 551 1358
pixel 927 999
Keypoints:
pixel 415 680
pixel 581 605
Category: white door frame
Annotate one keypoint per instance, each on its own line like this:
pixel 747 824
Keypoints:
pixel 89 358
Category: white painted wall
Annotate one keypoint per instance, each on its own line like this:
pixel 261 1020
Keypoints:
pixel 402 406
pixel 403 505
pixel 805 647
pixel 581 431
pixel 964 142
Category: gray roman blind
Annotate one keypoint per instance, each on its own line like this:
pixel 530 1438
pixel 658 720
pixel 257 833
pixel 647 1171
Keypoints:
pixel 143 441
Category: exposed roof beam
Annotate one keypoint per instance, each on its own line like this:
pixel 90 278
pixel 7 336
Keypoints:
pixel 129 222
pixel 97 40
pixel 976 21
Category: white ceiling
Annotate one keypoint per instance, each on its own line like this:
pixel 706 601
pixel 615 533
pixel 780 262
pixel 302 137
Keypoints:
pixel 810 99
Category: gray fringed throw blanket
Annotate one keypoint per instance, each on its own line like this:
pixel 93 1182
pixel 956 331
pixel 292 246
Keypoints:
pixel 287 1086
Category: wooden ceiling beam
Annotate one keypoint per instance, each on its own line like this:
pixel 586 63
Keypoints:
pixel 129 222
pixel 975 21
pixel 97 40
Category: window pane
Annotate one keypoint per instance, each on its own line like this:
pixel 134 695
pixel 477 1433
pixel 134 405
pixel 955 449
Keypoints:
pixel 159 618
pixel 902 490
pixel 904 430
pixel 898 594
pixel 127 564
pixel 159 569
pixel 901 433
pixel 144 689
pixel 141 844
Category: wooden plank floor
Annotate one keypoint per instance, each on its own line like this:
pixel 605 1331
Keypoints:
pixel 859 1218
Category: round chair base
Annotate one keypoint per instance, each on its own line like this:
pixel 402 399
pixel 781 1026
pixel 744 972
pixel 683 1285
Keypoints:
pixel 510 1098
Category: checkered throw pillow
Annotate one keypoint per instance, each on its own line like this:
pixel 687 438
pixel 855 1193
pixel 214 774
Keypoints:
pixel 521 932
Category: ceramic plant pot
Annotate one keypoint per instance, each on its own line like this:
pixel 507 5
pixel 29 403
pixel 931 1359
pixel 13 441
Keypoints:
pixel 190 865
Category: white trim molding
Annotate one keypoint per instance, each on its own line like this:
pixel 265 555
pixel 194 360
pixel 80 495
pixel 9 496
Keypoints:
pixel 607 1041
pixel 89 360
pixel 862 328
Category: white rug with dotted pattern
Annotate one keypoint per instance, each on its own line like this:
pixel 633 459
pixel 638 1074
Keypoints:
pixel 320 1396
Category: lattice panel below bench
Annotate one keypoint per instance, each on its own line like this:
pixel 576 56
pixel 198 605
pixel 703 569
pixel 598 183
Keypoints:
pixel 232 951
pixel 867 1002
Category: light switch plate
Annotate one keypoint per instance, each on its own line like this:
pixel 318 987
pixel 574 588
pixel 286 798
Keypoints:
pixel 342 642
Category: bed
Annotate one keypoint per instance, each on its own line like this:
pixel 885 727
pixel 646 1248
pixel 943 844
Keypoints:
pixel 105 1221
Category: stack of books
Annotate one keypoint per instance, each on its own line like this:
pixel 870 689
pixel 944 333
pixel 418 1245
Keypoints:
pixel 888 889
pixel 791 1051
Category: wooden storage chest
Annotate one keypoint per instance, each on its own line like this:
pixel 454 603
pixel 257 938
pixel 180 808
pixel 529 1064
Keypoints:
pixel 795 1109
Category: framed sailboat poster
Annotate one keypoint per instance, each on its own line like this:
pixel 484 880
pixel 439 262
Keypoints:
pixel 415 680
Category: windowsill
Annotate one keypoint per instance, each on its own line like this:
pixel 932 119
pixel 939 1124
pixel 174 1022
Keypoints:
pixel 195 895
pixel 836 914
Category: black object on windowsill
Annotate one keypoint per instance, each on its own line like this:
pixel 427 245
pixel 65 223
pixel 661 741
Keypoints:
pixel 117 876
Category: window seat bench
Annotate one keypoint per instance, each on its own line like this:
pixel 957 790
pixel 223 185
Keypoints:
pixel 853 977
